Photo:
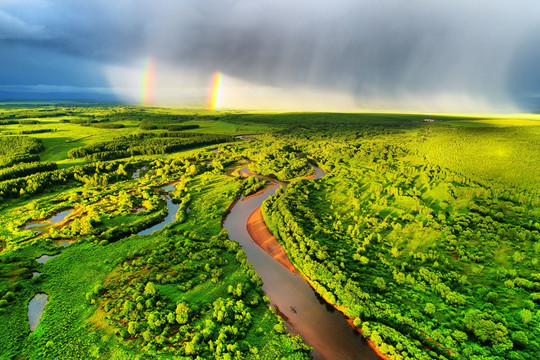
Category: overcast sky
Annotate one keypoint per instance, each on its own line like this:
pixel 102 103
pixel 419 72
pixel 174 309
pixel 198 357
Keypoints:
pixel 423 55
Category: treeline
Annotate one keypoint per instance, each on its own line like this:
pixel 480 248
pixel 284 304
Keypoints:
pixel 170 127
pixel 38 113
pixel 180 127
pixel 19 149
pixel 85 120
pixel 176 135
pixel 141 145
pixel 150 116
pixel 20 145
pixel 25 169
pixel 36 131
pixel 147 126
pixel 106 126
pixel 330 121
pixel 22 122
pixel 10 160
pixel 101 174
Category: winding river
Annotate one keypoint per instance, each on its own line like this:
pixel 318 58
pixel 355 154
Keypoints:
pixel 305 312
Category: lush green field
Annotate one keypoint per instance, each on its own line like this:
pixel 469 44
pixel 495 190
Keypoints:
pixel 426 234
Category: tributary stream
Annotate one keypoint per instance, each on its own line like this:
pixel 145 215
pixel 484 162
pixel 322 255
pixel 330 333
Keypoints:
pixel 172 209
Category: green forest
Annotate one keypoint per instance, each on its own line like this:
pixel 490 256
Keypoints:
pixel 426 235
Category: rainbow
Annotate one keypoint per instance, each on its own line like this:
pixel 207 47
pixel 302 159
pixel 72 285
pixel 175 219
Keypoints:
pixel 147 82
pixel 214 95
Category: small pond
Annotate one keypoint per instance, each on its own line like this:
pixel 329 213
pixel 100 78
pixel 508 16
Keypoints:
pixel 57 218
pixel 137 172
pixel 35 309
pixel 44 258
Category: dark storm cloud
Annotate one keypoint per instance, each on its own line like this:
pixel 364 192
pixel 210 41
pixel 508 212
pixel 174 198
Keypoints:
pixel 13 28
pixel 377 50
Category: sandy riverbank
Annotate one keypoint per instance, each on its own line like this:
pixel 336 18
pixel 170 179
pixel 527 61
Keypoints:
pixel 261 235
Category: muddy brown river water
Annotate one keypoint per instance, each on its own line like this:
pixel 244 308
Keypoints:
pixel 305 312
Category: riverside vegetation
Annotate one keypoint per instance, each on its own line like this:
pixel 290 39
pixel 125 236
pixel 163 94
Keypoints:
pixel 427 235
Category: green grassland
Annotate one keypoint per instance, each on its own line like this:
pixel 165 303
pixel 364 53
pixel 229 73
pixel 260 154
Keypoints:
pixel 426 234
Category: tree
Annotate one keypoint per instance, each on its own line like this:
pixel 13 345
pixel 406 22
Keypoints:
pixel 182 313
pixel 460 336
pixel 128 307
pixel 147 335
pixel 190 348
pixel 121 170
pixel 366 330
pixel 380 283
pixel 430 309
pixel 150 289
pixel 484 328
pixel 132 327
pixel 520 339
pixel 526 315
pixel 280 328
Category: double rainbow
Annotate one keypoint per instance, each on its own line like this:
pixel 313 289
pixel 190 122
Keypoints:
pixel 147 82
pixel 214 95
